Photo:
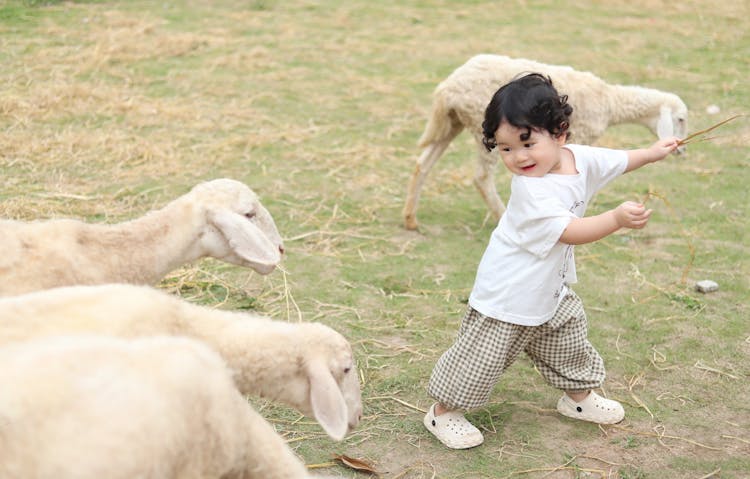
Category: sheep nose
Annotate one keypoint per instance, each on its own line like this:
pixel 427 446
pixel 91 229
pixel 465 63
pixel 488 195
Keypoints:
pixel 281 249
pixel 355 419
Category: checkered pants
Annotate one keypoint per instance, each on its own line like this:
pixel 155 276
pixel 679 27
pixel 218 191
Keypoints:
pixel 465 374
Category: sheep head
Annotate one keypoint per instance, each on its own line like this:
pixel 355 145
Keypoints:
pixel 671 120
pixel 327 385
pixel 239 229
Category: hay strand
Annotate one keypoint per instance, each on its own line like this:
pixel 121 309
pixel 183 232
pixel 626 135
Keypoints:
pixel 400 401
pixel 661 436
pixel 726 436
pixel 711 474
pixel 699 365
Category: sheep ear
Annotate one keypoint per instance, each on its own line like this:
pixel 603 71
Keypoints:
pixel 328 404
pixel 664 127
pixel 245 239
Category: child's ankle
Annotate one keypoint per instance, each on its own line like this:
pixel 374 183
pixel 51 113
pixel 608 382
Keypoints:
pixel 440 409
pixel 578 396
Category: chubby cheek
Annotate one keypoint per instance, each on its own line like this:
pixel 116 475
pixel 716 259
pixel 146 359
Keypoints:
pixel 508 162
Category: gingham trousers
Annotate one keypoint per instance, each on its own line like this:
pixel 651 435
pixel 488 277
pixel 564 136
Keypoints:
pixel 465 374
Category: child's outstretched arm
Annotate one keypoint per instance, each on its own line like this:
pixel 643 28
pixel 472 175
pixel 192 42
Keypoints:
pixel 593 228
pixel 629 214
pixel 657 151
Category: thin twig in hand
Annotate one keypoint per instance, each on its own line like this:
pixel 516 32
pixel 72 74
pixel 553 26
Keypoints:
pixel 705 138
pixel 691 138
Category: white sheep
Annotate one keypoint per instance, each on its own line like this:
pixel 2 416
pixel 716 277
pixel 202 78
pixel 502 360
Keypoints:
pixel 221 218
pixel 460 100
pixel 89 407
pixel 308 366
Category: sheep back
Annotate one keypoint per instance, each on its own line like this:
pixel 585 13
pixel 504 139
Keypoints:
pixel 468 90
pixel 308 366
pixel 92 407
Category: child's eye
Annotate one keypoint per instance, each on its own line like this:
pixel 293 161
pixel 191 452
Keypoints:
pixel 528 145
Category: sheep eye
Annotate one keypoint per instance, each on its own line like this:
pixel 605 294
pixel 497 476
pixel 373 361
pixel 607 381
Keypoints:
pixel 250 215
pixel 346 370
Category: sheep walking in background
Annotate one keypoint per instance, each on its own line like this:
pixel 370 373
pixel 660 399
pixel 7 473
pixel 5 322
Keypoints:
pixel 221 218
pixel 308 366
pixel 459 102
pixel 88 407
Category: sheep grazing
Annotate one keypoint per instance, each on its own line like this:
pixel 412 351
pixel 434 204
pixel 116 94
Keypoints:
pixel 88 407
pixel 460 101
pixel 221 218
pixel 308 366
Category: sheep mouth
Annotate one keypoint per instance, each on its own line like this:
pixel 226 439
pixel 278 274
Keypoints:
pixel 263 268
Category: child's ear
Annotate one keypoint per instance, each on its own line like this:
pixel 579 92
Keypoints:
pixel 562 138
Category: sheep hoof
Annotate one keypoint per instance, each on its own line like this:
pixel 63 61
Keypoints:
pixel 410 223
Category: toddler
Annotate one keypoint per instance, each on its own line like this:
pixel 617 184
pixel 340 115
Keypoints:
pixel 522 300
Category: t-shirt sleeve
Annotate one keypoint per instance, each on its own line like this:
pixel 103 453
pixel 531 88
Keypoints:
pixel 602 164
pixel 536 225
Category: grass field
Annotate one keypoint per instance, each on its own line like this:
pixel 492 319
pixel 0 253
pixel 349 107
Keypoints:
pixel 110 109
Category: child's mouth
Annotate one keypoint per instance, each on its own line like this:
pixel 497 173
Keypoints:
pixel 528 167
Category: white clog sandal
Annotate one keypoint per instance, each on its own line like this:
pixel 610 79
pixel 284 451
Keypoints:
pixel 452 429
pixel 594 409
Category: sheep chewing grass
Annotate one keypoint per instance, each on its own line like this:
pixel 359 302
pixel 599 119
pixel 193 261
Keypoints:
pixel 223 219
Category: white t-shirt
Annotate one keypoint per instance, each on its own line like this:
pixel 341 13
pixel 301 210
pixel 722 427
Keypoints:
pixel 525 269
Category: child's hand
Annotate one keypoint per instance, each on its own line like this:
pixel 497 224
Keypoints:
pixel 656 152
pixel 632 215
pixel 663 147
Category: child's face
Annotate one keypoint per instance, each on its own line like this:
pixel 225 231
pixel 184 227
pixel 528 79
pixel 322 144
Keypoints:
pixel 535 156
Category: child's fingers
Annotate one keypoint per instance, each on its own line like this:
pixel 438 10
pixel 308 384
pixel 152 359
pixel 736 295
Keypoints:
pixel 644 213
pixel 634 215
pixel 639 221
pixel 632 205
pixel 634 208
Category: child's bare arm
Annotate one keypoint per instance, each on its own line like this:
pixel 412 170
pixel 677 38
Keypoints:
pixel 593 228
pixel 657 151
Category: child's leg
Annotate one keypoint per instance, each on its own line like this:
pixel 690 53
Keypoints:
pixel 568 361
pixel 465 374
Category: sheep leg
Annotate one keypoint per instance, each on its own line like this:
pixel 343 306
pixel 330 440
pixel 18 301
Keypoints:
pixel 425 162
pixel 268 455
pixel 484 180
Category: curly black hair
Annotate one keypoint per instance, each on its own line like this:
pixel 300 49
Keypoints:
pixel 529 101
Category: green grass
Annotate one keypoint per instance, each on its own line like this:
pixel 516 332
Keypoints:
pixel 110 109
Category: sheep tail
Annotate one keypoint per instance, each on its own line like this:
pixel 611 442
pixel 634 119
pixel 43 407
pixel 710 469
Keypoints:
pixel 441 126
